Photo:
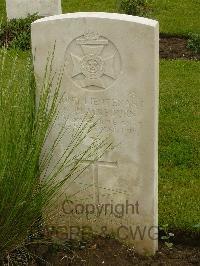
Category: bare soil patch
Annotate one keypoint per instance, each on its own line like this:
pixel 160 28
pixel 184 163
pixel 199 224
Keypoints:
pixel 105 251
pixel 172 47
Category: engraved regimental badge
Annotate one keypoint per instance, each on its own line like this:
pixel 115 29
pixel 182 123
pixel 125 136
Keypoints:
pixel 93 61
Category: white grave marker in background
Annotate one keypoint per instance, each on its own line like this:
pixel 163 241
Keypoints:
pixel 112 72
pixel 21 8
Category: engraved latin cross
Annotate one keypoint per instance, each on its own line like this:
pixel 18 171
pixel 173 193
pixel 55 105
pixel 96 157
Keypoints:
pixel 95 174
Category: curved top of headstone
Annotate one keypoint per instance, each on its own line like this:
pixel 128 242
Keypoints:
pixel 102 15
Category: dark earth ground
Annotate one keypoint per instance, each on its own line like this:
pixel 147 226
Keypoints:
pixel 108 251
pixel 176 47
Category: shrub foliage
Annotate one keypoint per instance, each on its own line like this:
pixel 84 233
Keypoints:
pixel 16 33
pixel 194 42
pixel 134 7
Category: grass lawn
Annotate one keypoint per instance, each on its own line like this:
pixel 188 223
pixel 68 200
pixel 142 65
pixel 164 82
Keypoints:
pixel 2 8
pixel 179 144
pixel 175 16
pixel 89 5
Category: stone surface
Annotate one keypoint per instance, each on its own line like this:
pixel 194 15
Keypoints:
pixel 111 72
pixel 21 8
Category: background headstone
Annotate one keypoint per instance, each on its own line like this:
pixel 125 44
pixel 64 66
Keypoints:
pixel 112 72
pixel 21 8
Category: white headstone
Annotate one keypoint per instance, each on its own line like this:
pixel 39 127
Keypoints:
pixel 22 8
pixel 112 72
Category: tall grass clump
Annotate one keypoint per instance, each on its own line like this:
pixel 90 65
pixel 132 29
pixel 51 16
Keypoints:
pixel 26 188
